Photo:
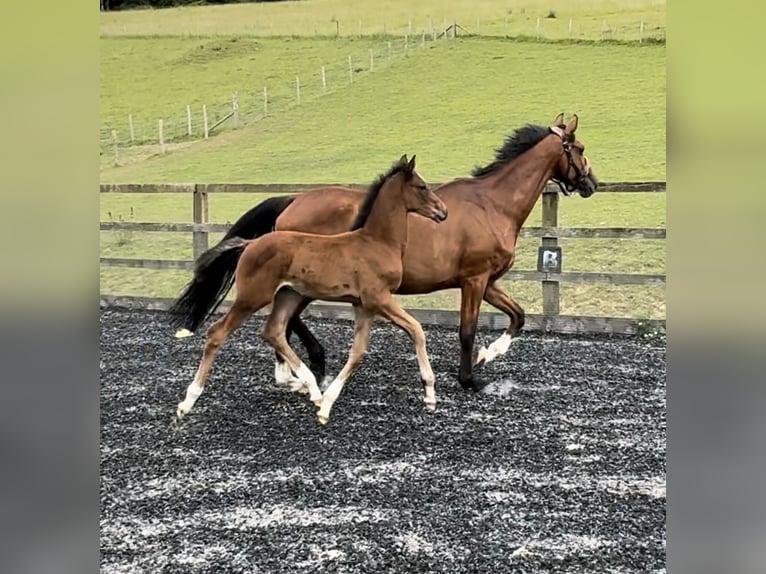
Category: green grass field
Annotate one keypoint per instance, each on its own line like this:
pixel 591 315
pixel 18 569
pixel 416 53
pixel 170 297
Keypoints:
pixel 451 102
pixel 318 17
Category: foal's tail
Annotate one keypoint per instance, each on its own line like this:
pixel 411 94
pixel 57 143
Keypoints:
pixel 214 269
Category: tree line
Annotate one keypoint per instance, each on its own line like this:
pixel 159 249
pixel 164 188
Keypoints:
pixel 127 4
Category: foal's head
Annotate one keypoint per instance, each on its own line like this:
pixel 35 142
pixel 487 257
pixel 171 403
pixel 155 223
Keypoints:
pixel 418 198
pixel 573 171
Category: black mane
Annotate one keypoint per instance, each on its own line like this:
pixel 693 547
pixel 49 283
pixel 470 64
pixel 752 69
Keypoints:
pixel 515 144
pixel 372 194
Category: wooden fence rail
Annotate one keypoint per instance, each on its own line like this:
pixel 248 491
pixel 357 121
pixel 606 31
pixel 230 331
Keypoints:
pixel 549 233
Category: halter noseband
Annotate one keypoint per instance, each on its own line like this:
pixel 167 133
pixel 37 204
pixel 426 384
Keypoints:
pixel 566 187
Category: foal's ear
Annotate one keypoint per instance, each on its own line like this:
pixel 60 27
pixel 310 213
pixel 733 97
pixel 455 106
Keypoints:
pixel 559 121
pixel 411 165
pixel 403 159
pixel 571 126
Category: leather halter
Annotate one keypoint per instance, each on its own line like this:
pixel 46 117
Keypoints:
pixel 566 186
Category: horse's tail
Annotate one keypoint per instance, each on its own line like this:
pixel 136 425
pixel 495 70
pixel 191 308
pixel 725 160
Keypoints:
pixel 214 270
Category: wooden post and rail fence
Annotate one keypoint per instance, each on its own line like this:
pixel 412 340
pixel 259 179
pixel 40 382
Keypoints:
pixel 549 272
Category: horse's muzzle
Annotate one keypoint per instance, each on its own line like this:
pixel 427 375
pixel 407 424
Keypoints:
pixel 440 215
pixel 590 184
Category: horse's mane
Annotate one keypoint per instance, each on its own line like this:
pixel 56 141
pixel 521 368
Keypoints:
pixel 521 140
pixel 373 192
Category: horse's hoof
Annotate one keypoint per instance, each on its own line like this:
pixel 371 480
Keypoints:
pixel 431 407
pixel 323 420
pixel 466 383
pixel 183 333
pixel 479 385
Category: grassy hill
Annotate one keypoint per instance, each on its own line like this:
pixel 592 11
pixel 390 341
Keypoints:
pixel 451 103
pixel 592 19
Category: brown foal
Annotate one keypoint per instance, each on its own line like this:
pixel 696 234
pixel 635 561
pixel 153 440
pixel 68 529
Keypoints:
pixel 362 267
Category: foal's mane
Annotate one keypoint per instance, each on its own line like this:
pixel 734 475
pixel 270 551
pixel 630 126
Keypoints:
pixel 521 140
pixel 373 192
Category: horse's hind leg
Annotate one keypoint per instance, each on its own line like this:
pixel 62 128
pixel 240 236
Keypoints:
pixel 216 336
pixel 286 301
pixel 499 299
pixel 362 325
pixel 310 342
pixel 391 310
pixel 282 372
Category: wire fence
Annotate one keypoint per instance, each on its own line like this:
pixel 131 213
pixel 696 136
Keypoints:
pixel 139 135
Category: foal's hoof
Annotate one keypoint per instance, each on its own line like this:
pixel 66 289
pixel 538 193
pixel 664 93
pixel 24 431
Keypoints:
pixel 299 387
pixel 322 420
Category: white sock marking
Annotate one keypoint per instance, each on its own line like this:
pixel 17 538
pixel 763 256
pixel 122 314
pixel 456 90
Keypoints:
pixel 497 348
pixel 193 391
pixel 308 378
pixel 283 374
pixel 328 399
pixel 182 333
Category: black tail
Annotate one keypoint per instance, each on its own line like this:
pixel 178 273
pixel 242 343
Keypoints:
pixel 215 268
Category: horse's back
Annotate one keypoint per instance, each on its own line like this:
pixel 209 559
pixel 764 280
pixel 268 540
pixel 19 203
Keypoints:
pixel 325 211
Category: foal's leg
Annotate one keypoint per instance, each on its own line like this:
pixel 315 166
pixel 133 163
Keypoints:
pixel 497 298
pixel 216 335
pixel 310 342
pixel 282 372
pixel 286 301
pixel 391 310
pixel 362 324
pixel 472 292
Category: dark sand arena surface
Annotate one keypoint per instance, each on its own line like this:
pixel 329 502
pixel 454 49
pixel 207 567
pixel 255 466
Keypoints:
pixel 559 467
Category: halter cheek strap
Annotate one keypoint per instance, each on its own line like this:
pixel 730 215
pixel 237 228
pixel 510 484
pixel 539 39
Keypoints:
pixel 566 187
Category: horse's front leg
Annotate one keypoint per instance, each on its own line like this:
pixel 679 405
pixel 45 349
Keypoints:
pixel 471 292
pixel 500 300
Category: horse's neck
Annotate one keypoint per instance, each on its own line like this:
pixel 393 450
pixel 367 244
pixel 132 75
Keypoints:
pixel 387 222
pixel 517 186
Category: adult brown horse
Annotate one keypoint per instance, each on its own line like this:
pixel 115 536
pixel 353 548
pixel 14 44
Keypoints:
pixel 362 267
pixel 470 251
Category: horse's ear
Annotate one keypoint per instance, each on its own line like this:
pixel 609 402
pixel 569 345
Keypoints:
pixel 559 121
pixel 403 159
pixel 411 165
pixel 571 126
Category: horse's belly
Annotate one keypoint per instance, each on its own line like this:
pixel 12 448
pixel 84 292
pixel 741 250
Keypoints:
pixel 419 277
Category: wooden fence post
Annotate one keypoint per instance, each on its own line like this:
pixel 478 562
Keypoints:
pixel 161 129
pixel 235 109
pixel 550 219
pixel 130 126
pixel 200 215
pixel 116 150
